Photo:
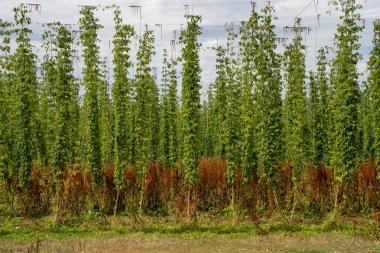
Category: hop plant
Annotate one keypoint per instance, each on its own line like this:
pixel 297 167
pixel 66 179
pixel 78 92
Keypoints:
pixel 191 98
pixel 345 91
pixel 295 114
pixel 121 97
pixel 373 83
pixel 89 24
pixel 25 83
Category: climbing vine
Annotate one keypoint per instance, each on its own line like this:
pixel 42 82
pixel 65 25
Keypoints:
pixel 345 99
pixel 121 96
pixel 25 82
pixel 89 25
pixel 374 92
pixel 191 97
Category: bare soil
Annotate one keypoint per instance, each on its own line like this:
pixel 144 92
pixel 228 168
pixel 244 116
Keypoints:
pixel 132 244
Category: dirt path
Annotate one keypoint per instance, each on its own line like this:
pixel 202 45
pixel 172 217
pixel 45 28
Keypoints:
pixel 271 243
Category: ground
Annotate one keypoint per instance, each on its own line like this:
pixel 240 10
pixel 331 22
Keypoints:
pixel 267 243
pixel 96 233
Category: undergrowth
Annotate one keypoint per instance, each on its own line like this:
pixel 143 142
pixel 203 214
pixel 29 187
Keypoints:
pixel 96 225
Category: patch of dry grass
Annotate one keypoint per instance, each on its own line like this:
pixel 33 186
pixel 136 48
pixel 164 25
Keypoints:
pixel 96 233
pixel 268 243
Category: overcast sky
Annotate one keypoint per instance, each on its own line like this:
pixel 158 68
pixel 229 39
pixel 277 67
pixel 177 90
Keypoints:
pixel 215 14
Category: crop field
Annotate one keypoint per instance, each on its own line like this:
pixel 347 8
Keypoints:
pixel 119 133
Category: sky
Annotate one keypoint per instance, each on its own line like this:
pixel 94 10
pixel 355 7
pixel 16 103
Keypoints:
pixel 215 14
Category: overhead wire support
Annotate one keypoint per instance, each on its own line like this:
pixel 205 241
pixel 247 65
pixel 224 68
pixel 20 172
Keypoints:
pixel 187 9
pixel 297 28
pixel 32 7
pixel 281 40
pixel 66 25
pixel 363 22
pixel 299 14
pixel 377 22
pixel 160 26
pixel 253 5
pixel 154 70
pixel 75 33
pixel 316 46
pixel 116 6
pixel 316 11
pixel 230 25
pixel 87 6
pixel 136 10
pixel 172 44
pixel 69 26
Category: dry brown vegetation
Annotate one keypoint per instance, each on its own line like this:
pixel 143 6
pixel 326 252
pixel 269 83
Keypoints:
pixel 165 192
pixel 269 243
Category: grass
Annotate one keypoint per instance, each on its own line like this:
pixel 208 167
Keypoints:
pixel 92 225
pixel 93 233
